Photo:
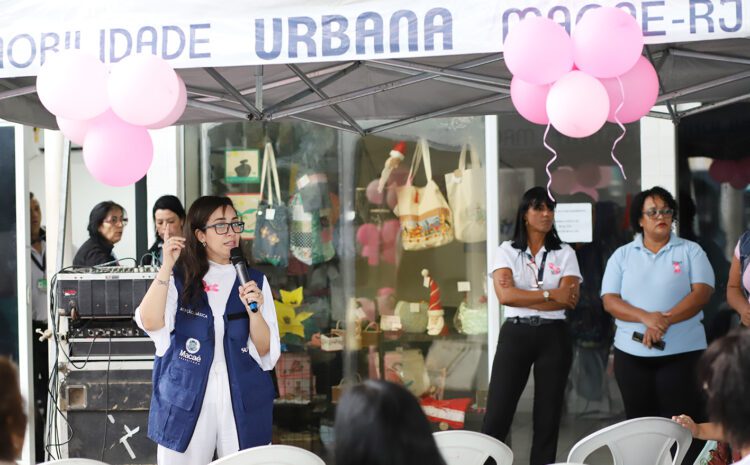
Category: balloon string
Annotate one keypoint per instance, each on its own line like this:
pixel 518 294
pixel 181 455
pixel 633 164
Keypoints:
pixel 622 126
pixel 549 163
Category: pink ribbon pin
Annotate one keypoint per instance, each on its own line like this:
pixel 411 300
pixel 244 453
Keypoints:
pixel 677 267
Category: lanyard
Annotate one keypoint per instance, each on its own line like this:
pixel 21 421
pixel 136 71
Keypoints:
pixel 42 265
pixel 540 270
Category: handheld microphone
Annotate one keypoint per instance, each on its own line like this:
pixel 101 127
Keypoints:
pixel 238 260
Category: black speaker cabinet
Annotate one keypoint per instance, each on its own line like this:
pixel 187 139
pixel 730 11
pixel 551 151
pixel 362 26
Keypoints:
pixel 107 410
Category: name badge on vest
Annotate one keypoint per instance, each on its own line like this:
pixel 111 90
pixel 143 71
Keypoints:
pixel 41 285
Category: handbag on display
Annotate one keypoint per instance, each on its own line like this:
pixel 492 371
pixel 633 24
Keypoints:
pixel 426 219
pixel 271 243
pixel 311 236
pixel 295 377
pixel 449 413
pixel 471 320
pixel 407 367
pixel 453 364
pixel 412 315
pixel 467 198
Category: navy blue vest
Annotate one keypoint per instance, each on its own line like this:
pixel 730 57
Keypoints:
pixel 180 376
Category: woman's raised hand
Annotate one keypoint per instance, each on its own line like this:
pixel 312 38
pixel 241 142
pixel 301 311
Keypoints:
pixel 171 249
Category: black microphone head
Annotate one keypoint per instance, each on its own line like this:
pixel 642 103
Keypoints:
pixel 236 256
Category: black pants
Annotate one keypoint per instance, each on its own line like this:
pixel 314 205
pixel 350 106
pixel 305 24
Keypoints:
pixel 661 387
pixel 548 349
pixel 41 381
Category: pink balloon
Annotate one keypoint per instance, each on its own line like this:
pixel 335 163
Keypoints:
pixel 577 104
pixel 641 89
pixel 607 42
pixel 530 100
pixel 538 50
pixel 563 180
pixel 117 153
pixel 177 111
pixel 720 171
pixel 605 177
pixel 588 175
pixel 73 84
pixel 143 90
pixel 76 129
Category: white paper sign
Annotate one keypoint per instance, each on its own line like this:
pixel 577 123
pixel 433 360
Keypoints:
pixel 574 222
pixel 464 286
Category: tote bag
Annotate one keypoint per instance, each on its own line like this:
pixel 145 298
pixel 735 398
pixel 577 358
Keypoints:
pixel 426 219
pixel 311 238
pixel 466 197
pixel 271 244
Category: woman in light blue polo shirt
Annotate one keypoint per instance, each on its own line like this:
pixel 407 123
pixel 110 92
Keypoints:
pixel 655 287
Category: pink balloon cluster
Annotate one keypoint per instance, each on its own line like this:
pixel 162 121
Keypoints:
pixel 574 82
pixel 735 172
pixel 109 112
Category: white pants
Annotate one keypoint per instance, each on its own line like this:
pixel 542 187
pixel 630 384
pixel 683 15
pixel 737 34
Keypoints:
pixel 215 429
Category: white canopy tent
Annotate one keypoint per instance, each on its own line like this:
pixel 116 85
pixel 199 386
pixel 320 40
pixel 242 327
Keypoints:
pixel 342 63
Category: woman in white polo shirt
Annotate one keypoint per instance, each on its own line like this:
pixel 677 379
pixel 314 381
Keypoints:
pixel 655 287
pixel 536 278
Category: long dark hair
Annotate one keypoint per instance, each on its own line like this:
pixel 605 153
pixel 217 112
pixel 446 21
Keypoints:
pixel 98 215
pixel 381 423
pixel 724 370
pixel 12 416
pixel 193 262
pixel 532 198
pixel 171 203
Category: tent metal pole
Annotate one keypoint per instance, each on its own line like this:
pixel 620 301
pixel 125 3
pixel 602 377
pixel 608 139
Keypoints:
pixel 241 99
pixel 308 82
pixel 329 124
pixel 704 86
pixel 447 72
pixel 6 94
pixel 259 87
pixel 218 109
pixel 370 90
pixel 658 114
pixel 434 114
pixel 710 56
pixel 711 106
pixel 325 82
pixel 459 82
pixel 670 108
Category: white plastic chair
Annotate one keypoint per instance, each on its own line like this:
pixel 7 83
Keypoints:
pixel 275 454
pixel 461 447
pixel 74 461
pixel 640 441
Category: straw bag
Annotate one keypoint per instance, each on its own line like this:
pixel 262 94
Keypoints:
pixel 425 216
pixel 271 244
pixel 467 199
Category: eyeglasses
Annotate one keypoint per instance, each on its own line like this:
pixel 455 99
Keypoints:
pixel 223 228
pixel 115 220
pixel 653 212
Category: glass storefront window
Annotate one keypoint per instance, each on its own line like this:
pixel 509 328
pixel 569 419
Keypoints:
pixel 354 301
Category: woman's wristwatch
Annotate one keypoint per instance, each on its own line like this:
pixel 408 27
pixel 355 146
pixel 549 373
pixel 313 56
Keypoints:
pixel 545 294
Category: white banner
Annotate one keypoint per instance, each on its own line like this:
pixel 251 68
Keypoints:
pixel 192 33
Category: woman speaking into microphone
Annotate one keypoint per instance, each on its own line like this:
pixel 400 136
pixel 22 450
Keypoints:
pixel 216 340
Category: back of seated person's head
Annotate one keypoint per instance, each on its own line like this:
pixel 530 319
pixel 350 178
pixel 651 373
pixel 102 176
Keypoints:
pixel 725 374
pixel 12 416
pixel 381 423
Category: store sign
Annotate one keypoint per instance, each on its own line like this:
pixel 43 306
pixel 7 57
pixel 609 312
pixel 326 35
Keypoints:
pixel 573 222
pixel 242 32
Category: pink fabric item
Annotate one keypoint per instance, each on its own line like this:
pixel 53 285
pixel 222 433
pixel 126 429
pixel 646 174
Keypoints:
pixel 386 300
pixel 369 237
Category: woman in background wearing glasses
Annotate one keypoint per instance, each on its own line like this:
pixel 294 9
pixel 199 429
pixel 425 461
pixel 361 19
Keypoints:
pixel 536 278
pixel 107 221
pixel 655 288
pixel 215 339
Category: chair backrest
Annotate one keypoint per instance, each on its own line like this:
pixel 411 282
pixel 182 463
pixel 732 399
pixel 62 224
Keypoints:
pixel 74 461
pixel 640 441
pixel 461 447
pixel 276 454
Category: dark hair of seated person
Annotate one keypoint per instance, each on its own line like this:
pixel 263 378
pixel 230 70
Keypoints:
pixel 381 423
pixel 724 370
pixel 12 416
